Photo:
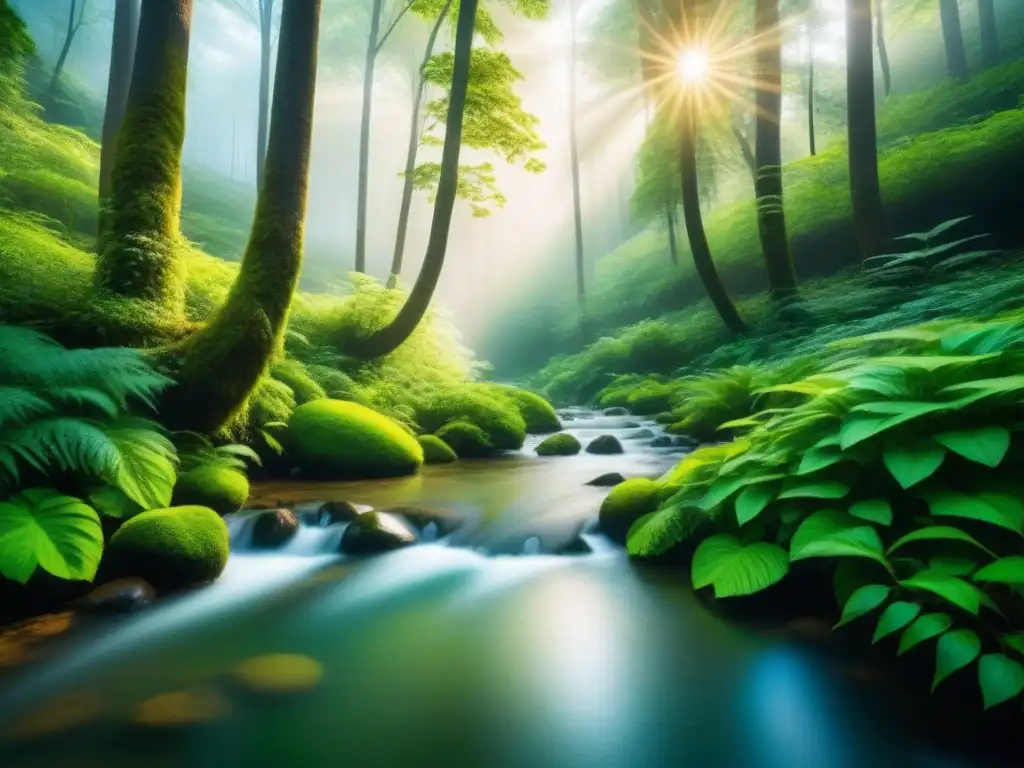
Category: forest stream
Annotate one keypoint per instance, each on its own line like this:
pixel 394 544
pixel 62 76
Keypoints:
pixel 479 649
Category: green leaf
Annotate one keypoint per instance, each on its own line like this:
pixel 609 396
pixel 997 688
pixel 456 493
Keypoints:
pixel 724 487
pixel 873 510
pixel 948 503
pixel 819 458
pixel 812 490
pixel 955 651
pixel 937 533
pixel 863 601
pixel 954 566
pixel 1000 385
pixel 829 533
pixel 984 445
pixel 950 588
pixel 722 561
pixel 752 501
pixel 40 528
pixel 657 532
pixel 894 618
pixel 145 469
pixel 909 465
pixel 856 430
pixel 924 628
pixel 112 502
pixel 1001 678
pixel 1014 640
pixel 1007 570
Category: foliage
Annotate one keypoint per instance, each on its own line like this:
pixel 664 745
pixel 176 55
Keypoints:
pixel 912 266
pixel 626 503
pixel 901 458
pixel 539 415
pixel 477 404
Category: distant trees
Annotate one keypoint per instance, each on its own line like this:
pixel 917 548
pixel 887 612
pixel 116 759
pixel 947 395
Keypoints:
pixel 75 19
pixel 883 48
pixel 989 33
pixel 122 56
pixel 953 37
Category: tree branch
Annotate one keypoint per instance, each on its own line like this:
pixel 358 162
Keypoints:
pixel 391 27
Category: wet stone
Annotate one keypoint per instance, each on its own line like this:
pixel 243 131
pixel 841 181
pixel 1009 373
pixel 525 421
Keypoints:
pixel 605 445
pixel 273 528
pixel 615 412
pixel 642 434
pixel 607 480
pixel 661 441
pixel 374 532
pixel 420 517
pixel 119 596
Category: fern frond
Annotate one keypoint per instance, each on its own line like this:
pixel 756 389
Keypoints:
pixel 18 405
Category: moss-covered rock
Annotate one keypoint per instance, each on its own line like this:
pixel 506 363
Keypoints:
pixel 651 397
pixel 338 439
pixel 374 532
pixel 562 444
pixel 627 503
pixel 436 450
pixel 538 413
pixel 604 445
pixel 169 548
pixel 467 440
pixel 478 404
pixel 222 489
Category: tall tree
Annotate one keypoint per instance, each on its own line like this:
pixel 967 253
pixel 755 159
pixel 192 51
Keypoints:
pixel 865 192
pixel 369 67
pixel 812 26
pixel 953 37
pixel 122 56
pixel 398 330
pixel 883 49
pixel 574 155
pixel 771 219
pixel 138 249
pixel 76 17
pixel 217 368
pixel 989 34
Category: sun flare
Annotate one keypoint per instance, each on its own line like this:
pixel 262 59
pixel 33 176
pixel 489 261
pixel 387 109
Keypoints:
pixel 693 66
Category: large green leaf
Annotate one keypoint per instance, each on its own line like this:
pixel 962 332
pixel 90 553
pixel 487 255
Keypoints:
pixel 733 569
pixel 863 600
pixel 40 528
pixel 1014 640
pixel 658 532
pixel 984 445
pixel 924 628
pixel 1007 570
pixel 829 533
pixel 873 510
pixel 954 651
pixel 954 566
pixel 910 464
pixel 857 429
pixel 937 533
pixel 112 502
pixel 145 470
pixel 949 503
pixel 895 617
pixel 950 588
pixel 752 501
pixel 819 458
pixel 1001 678
pixel 822 489
pixel 1000 385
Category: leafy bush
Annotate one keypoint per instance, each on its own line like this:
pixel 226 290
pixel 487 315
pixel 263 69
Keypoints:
pixel 899 469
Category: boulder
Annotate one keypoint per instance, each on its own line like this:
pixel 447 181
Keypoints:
pixel 562 444
pixel 222 489
pixel 640 434
pixel 374 532
pixel 436 450
pixel 575 547
pixel 119 596
pixel 169 548
pixel 661 441
pixel 342 440
pixel 607 479
pixel 420 517
pixel 632 425
pixel 627 503
pixel 273 528
pixel 604 445
pixel 665 417
pixel 615 411
pixel 467 440
pixel 325 512
pixel 538 413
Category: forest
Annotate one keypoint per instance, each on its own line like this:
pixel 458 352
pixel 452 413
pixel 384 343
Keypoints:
pixel 668 352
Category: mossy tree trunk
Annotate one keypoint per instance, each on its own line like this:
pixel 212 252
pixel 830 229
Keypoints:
pixel 362 189
pixel 771 218
pixel 217 368
pixel 989 33
pixel 862 132
pixel 122 57
pixel 139 247
pixel 883 48
pixel 395 333
pixel 953 37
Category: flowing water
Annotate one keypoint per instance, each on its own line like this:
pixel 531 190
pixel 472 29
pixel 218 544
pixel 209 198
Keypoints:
pixel 480 649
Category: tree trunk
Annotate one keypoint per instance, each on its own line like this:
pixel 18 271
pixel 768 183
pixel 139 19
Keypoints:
pixel 811 141
pixel 673 245
pixel 883 49
pixel 393 335
pixel 364 136
pixel 953 37
pixel 574 160
pixel 266 12
pixel 138 251
pixel 220 365
pixel 122 56
pixel 771 219
pixel 69 38
pixel 989 35
pixel 413 147
pixel 865 193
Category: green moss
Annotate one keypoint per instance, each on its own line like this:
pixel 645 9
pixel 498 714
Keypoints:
pixel 222 489
pixel 496 415
pixel 625 504
pixel 665 417
pixel 337 385
pixel 562 444
pixel 336 439
pixel 650 397
pixel 294 374
pixel 436 450
pixel 169 548
pixel 538 413
pixel 271 401
pixel 467 440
